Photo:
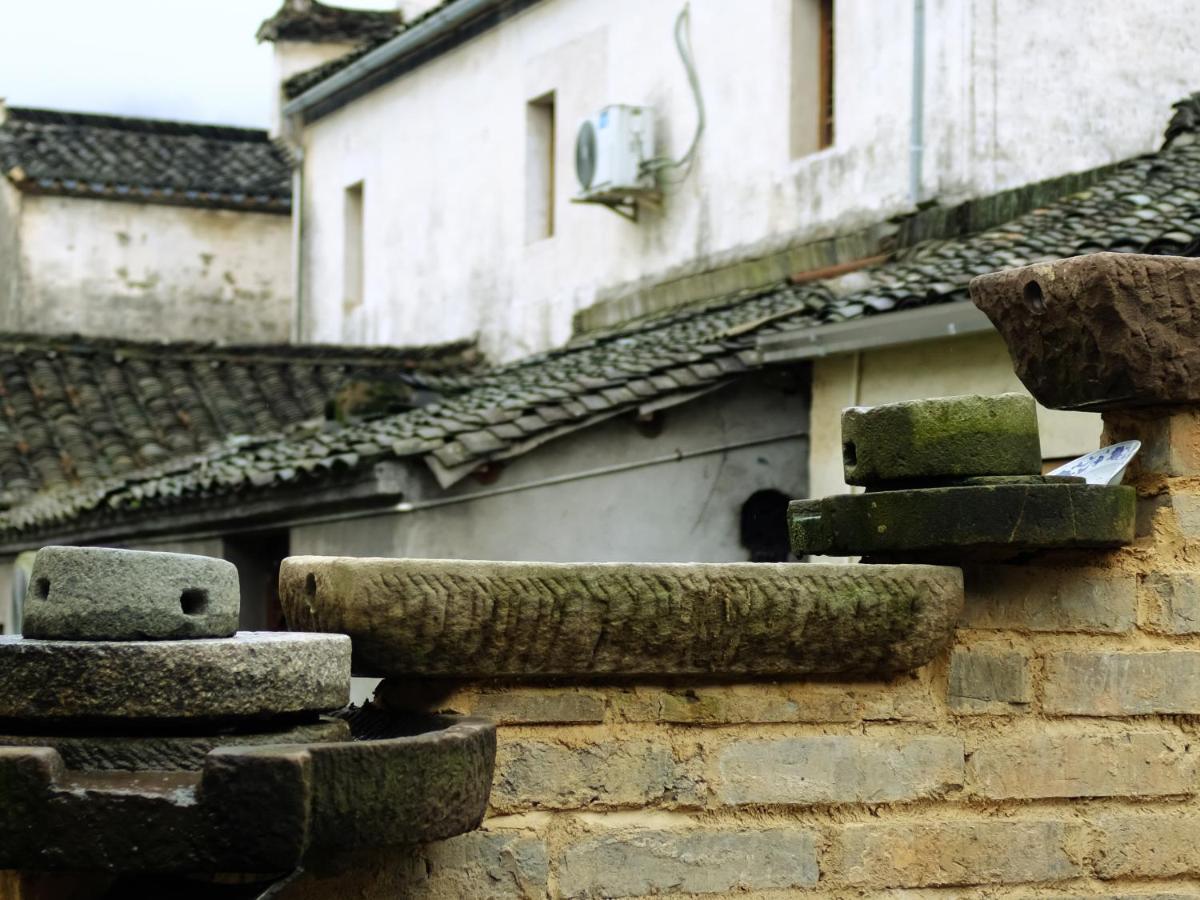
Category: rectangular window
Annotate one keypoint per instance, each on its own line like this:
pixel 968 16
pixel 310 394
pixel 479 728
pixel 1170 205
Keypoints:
pixel 352 247
pixel 539 168
pixel 812 64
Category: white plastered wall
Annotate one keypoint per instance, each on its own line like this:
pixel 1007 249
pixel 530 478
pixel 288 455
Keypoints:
pixel 1015 91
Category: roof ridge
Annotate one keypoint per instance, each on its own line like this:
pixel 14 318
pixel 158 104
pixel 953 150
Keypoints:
pixel 80 343
pixel 139 124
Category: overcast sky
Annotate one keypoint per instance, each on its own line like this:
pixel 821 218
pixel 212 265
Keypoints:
pixel 179 59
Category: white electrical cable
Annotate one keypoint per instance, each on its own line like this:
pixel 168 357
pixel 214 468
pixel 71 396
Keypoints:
pixel 662 163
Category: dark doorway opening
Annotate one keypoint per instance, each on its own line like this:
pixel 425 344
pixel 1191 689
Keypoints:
pixel 257 556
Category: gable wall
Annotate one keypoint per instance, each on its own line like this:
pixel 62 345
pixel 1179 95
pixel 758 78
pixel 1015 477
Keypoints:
pixel 149 271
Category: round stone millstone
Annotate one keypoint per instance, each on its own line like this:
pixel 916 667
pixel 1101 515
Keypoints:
pixel 991 518
pixel 100 594
pixel 167 753
pixel 253 674
pixel 249 808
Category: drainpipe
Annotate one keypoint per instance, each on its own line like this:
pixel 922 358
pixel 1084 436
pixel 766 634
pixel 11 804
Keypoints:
pixel 291 137
pixel 916 149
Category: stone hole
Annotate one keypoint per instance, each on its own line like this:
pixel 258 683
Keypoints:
pixel 194 601
pixel 310 585
pixel 43 588
pixel 1033 296
pixel 850 453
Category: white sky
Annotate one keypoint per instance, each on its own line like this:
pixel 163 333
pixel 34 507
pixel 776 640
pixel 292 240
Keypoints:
pixel 195 60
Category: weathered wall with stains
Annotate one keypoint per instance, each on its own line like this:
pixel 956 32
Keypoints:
pixel 616 492
pixel 152 271
pixel 1050 752
pixel 1015 91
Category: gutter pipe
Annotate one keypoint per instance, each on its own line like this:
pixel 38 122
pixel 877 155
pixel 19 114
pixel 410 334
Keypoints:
pixel 916 150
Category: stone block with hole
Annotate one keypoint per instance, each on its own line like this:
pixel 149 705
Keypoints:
pixel 98 594
pixel 944 438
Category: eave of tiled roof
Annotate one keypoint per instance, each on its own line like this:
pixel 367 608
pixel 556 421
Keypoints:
pixel 77 410
pixel 325 88
pixel 1147 204
pixel 310 21
pixel 143 160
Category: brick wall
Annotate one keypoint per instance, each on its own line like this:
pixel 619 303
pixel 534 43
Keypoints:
pixel 1050 752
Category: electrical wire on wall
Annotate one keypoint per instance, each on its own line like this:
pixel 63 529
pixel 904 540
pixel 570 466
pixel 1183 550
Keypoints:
pixel 663 164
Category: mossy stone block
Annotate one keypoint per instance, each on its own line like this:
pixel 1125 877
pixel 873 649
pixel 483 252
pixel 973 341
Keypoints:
pixel 948 437
pixel 102 594
pixel 1014 517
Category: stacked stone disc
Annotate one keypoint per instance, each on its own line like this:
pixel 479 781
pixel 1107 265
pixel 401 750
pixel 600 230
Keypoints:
pixel 139 731
pixel 955 474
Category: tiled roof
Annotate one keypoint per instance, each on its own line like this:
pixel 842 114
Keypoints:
pixel 77 410
pixel 146 160
pixel 308 20
pixel 302 81
pixel 1148 204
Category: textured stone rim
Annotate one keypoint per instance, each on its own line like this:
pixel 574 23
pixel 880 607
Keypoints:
pixel 250 675
pixel 251 809
pixel 469 619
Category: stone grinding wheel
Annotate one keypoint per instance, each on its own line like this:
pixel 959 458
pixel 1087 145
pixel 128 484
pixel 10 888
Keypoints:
pixel 148 736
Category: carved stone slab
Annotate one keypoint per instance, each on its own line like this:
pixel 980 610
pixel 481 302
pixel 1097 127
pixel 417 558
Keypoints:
pixel 99 594
pixel 1103 331
pixel 1005 517
pixel 256 674
pixel 250 809
pixel 947 437
pixel 467 619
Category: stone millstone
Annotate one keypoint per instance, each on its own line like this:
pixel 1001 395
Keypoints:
pixel 250 809
pixel 253 674
pixel 465 619
pixel 98 594
pixel 948 437
pixel 1103 331
pixel 167 753
pixel 1009 517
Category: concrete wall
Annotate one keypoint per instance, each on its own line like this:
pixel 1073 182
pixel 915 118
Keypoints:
pixel 151 271
pixel 1016 91
pixel 975 364
pixel 658 509
pixel 1049 752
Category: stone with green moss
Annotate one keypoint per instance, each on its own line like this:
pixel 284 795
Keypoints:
pixel 948 437
pixel 1006 517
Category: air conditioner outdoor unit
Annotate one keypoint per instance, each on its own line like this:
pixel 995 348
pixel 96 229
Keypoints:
pixel 611 150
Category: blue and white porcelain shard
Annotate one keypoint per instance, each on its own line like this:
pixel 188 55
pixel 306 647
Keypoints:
pixel 1103 466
